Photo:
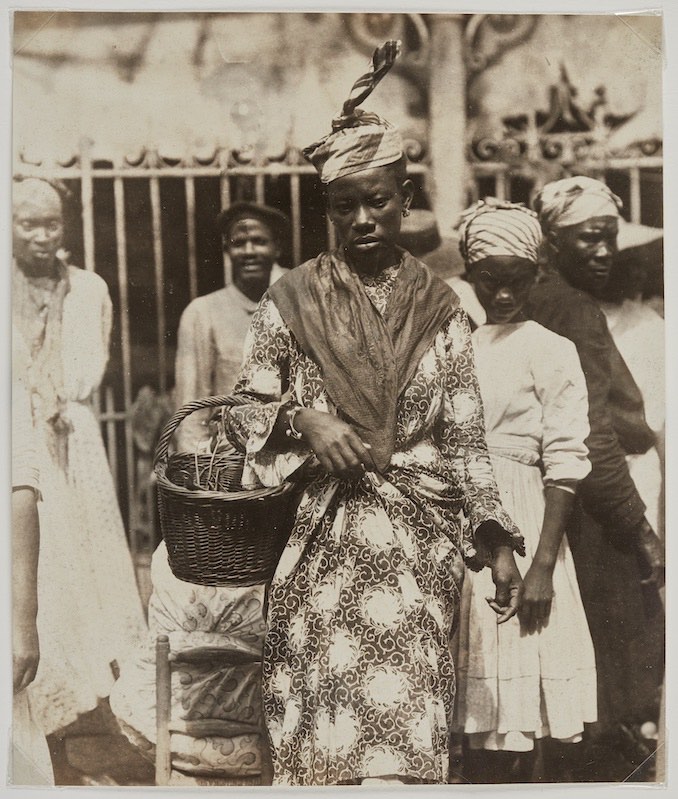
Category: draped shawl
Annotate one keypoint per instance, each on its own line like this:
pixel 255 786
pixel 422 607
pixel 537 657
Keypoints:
pixel 366 360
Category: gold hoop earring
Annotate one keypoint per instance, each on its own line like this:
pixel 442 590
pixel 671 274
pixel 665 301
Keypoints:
pixel 406 211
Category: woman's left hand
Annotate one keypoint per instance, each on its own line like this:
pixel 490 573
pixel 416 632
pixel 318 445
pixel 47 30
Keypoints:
pixel 537 597
pixel 508 582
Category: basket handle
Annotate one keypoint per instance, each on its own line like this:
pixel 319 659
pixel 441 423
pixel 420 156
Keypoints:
pixel 186 410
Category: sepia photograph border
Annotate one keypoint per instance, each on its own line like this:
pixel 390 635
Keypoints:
pixel 670 169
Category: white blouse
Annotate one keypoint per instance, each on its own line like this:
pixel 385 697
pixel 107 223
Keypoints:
pixel 535 398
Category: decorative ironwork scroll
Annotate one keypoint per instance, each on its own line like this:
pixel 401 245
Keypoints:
pixel 488 36
pixel 370 30
pixel 565 132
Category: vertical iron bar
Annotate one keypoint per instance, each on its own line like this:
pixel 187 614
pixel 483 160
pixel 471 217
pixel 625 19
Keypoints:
pixel 634 190
pixel 87 203
pixel 225 190
pixel 189 184
pixel 296 219
pixel 475 190
pixel 259 192
pixel 501 184
pixel 87 199
pixel 121 246
pixel 159 269
pixel 109 410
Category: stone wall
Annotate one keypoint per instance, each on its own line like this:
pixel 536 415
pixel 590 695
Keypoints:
pixel 190 81
pixel 623 54
pixel 187 81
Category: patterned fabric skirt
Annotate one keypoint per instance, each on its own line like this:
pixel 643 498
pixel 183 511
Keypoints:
pixel 358 672
pixel 513 687
pixel 220 619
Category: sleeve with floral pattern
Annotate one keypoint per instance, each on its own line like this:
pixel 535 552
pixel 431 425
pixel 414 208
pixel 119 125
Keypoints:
pixel 461 438
pixel 262 384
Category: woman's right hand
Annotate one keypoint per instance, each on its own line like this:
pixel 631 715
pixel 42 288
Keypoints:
pixel 650 554
pixel 25 654
pixel 508 583
pixel 335 443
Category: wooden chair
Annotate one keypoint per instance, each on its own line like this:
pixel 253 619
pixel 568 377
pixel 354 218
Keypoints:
pixel 165 659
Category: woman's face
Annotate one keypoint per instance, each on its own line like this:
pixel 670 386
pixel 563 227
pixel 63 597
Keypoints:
pixel 37 227
pixel 585 252
pixel 366 209
pixel 502 284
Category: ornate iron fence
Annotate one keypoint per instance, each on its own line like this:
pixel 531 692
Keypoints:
pixel 146 227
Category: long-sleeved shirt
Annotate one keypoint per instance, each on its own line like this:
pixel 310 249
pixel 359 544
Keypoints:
pixel 210 344
pixel 616 414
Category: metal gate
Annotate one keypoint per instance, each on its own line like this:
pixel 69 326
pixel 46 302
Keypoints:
pixel 146 226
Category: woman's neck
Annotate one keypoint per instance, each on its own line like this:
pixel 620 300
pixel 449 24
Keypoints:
pixel 371 266
pixel 521 316
pixel 50 270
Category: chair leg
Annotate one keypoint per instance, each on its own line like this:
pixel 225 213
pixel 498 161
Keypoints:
pixel 163 698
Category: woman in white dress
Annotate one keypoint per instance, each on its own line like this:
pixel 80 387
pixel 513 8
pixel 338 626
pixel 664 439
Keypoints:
pixel 90 614
pixel 533 677
pixel 30 762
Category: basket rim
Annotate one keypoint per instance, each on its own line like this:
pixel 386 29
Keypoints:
pixel 233 454
pixel 162 447
pixel 223 496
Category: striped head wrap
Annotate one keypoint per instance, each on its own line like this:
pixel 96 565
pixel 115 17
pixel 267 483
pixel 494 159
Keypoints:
pixel 495 227
pixel 573 200
pixel 359 139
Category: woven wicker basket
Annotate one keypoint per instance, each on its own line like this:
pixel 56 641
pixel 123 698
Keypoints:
pixel 217 533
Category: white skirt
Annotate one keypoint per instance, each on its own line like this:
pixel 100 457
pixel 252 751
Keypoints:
pixel 89 610
pixel 30 762
pixel 513 687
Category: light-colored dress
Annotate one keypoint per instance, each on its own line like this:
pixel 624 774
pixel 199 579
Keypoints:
pixel 30 762
pixel 358 671
pixel 638 332
pixel 89 611
pixel 513 687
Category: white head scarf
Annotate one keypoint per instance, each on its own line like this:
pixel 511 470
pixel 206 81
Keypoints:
pixel 573 200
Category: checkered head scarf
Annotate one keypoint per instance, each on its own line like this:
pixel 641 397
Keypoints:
pixel 495 227
pixel 573 200
pixel 359 139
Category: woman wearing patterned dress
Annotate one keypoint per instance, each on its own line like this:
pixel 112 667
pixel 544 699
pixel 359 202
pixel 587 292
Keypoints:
pixel 535 676
pixel 358 366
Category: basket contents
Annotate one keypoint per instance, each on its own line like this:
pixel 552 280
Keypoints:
pixel 206 471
